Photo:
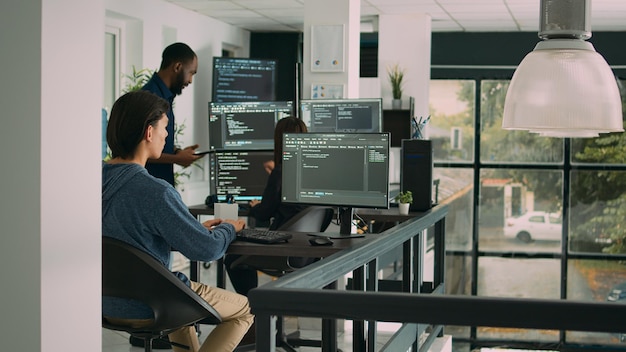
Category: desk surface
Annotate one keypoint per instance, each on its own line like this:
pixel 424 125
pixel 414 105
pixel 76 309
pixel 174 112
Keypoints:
pixel 298 246
pixel 391 214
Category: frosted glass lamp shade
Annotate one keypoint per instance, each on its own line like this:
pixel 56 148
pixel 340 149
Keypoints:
pixel 563 88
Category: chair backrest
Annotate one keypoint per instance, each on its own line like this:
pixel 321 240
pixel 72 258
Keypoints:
pixel 311 219
pixel 128 272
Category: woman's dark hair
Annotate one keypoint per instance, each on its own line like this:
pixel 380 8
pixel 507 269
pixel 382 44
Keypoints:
pixel 177 52
pixel 131 114
pixel 286 124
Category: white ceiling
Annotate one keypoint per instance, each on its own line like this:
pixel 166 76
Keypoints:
pixel 447 15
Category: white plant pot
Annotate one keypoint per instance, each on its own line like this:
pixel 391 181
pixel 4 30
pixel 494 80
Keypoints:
pixel 403 208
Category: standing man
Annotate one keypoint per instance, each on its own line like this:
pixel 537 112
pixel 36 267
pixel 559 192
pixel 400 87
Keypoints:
pixel 178 65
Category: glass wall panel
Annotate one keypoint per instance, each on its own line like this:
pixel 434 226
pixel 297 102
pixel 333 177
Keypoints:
pixel 597 280
pixel 598 211
pixel 455 187
pixel 520 210
pixel 518 278
pixel 498 145
pixel 458 282
pixel 451 126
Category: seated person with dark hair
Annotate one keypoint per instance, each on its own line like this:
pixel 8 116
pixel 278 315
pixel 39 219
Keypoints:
pixel 149 214
pixel 269 208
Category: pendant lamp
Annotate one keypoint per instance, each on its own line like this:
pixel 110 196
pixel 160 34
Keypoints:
pixel 564 88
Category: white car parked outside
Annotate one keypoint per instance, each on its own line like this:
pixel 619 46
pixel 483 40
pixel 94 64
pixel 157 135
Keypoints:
pixel 534 225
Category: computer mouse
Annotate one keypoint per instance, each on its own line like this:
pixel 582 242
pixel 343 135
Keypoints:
pixel 320 241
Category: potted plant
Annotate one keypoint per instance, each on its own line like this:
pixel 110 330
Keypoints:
pixel 404 200
pixel 396 74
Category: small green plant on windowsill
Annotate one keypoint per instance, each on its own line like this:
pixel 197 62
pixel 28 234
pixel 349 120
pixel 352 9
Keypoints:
pixel 404 197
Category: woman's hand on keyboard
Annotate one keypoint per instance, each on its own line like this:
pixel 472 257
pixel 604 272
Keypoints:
pixel 239 224
pixel 209 224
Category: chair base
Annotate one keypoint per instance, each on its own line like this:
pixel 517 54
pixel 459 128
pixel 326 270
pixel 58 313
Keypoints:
pixel 157 344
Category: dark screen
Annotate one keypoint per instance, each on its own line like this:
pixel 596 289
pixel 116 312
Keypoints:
pixel 243 79
pixel 344 169
pixel 342 115
pixel 245 125
pixel 241 173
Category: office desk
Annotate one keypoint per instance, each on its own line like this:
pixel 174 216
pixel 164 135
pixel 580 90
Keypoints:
pixel 299 246
pixel 391 214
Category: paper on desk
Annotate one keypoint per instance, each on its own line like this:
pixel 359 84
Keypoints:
pixel 226 211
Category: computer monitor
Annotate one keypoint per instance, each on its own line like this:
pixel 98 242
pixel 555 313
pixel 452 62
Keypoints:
pixel 243 79
pixel 245 125
pixel 240 174
pixel 342 169
pixel 342 115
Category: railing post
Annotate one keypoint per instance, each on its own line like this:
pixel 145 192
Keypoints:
pixel 372 285
pixel 358 326
pixel 265 332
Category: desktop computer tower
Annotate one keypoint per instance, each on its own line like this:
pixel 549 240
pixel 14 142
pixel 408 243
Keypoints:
pixel 416 172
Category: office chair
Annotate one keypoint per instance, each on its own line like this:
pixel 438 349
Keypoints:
pixel 312 219
pixel 128 272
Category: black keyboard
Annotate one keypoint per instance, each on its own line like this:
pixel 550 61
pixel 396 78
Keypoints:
pixel 262 236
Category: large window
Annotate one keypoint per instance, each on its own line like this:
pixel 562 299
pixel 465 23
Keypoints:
pixel 452 114
pixel 529 216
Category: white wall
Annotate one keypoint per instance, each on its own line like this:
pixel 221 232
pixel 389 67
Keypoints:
pixel 151 26
pixel 72 57
pixel 346 13
pixel 53 55
pixel 406 40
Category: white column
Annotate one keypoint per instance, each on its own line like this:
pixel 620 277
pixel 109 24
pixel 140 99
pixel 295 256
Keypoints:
pixel 330 13
pixel 405 40
pixel 72 57
pixel 51 179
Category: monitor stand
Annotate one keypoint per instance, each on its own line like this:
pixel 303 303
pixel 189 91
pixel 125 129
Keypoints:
pixel 345 221
pixel 345 224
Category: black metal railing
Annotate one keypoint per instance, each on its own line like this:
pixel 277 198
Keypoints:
pixel 302 293
pixel 421 305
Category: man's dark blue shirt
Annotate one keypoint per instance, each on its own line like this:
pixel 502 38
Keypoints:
pixel 163 171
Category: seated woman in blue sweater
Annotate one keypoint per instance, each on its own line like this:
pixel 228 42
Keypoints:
pixel 149 214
